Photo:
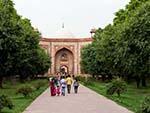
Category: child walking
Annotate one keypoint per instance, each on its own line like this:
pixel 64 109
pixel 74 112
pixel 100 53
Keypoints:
pixel 58 87
pixel 75 85
pixel 63 85
pixel 58 90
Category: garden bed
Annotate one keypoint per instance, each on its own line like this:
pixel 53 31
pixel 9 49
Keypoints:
pixel 20 102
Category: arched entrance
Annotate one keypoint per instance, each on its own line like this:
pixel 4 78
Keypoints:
pixel 64 69
pixel 64 61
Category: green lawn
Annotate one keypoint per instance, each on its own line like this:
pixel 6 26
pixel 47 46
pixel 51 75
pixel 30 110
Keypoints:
pixel 132 99
pixel 19 101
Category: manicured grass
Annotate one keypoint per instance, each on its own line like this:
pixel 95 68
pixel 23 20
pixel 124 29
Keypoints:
pixel 131 99
pixel 19 101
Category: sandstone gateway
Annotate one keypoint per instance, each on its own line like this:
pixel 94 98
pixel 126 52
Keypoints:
pixel 64 50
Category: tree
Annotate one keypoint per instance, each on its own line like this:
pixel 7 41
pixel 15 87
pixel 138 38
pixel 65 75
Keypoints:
pixel 136 44
pixel 19 45
pixel 96 58
pixel 88 62
pixel 32 60
pixel 123 14
pixel 105 49
pixel 41 62
pixel 123 48
pixel 9 40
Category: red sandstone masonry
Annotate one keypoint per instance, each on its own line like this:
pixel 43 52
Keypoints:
pixel 66 40
pixel 74 45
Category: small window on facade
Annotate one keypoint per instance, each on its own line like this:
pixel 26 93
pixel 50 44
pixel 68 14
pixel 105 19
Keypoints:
pixel 64 57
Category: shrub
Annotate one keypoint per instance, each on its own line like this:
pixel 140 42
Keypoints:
pixel 80 78
pixel 88 81
pixel 25 90
pixel 39 84
pixel 5 101
pixel 145 107
pixel 116 86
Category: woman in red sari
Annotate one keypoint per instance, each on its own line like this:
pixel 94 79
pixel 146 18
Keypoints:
pixel 52 87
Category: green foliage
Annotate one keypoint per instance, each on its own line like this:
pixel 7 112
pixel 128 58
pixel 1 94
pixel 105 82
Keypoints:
pixel 124 14
pixel 133 45
pixel 18 100
pixel 88 81
pixel 19 45
pixel 122 49
pixel 116 86
pixel 42 62
pixel 25 90
pixel 34 59
pixel 9 39
pixel 39 84
pixel 89 63
pixel 145 107
pixel 85 80
pixel 5 101
pixel 80 78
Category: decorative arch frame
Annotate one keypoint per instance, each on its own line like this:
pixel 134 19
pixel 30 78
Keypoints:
pixel 70 64
pixel 58 48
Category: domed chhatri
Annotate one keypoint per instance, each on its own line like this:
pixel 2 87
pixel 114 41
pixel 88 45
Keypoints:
pixel 64 45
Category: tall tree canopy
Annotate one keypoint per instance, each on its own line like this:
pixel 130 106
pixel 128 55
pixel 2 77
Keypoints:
pixel 20 53
pixel 123 48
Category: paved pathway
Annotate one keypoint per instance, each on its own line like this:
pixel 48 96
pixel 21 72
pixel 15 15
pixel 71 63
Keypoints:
pixel 86 101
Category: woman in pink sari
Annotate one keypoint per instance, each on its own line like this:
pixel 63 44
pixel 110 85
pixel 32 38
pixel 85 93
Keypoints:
pixel 52 87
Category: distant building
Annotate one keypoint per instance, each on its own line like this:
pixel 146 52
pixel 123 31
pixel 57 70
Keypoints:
pixel 65 51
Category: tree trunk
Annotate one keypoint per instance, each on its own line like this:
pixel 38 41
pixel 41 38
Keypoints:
pixel 110 77
pixel 1 82
pixel 144 81
pixel 138 80
pixel 103 78
pixel 127 78
pixel 13 80
pixel 22 78
pixel 93 76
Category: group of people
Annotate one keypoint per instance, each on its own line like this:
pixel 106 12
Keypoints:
pixel 59 84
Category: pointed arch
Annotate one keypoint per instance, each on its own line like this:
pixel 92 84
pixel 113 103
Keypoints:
pixel 64 57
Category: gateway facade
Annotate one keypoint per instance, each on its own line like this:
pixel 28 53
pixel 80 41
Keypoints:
pixel 65 51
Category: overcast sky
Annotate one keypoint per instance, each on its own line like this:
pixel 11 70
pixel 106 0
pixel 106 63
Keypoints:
pixel 78 16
